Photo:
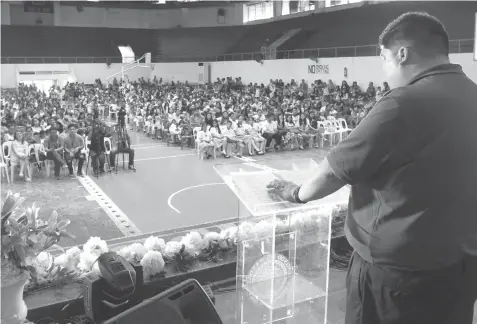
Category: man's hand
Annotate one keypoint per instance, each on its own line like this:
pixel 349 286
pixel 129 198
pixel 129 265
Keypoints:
pixel 282 189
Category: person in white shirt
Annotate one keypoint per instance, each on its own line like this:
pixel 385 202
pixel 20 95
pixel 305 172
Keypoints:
pixel 270 132
pixel 218 138
pixel 254 139
pixel 174 130
pixel 204 140
pixel 236 144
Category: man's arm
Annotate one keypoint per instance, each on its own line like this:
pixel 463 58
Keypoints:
pixel 376 146
pixel 80 144
pixel 324 183
pixel 379 144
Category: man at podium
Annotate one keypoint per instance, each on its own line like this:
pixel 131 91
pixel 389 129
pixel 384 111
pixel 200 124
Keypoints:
pixel 412 165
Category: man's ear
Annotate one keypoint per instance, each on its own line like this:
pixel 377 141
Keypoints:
pixel 403 54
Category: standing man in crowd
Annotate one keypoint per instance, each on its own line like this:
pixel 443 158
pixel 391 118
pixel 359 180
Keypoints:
pixel 412 165
pixel 74 143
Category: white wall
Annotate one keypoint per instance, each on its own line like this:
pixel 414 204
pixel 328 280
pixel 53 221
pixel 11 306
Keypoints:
pixel 87 73
pixel 360 69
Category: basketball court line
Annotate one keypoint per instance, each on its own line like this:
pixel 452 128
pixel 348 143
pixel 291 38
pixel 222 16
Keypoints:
pixel 145 144
pixel 169 200
pixel 119 218
pixel 149 147
pixel 163 157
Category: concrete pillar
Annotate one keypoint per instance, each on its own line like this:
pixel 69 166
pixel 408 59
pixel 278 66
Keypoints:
pixel 320 4
pixel 56 13
pixel 277 8
pixel 6 17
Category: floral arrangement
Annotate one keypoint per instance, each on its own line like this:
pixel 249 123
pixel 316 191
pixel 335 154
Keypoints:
pixel 26 238
pixel 153 253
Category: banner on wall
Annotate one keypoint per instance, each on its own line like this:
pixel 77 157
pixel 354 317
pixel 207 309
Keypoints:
pixel 318 69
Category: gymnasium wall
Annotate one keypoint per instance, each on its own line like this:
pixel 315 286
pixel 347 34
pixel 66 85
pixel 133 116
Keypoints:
pixel 360 69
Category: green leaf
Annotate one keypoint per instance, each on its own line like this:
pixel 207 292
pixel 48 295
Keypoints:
pixel 56 246
pixel 33 274
pixel 20 252
pixel 23 220
pixel 62 224
pixel 68 234
pixel 53 221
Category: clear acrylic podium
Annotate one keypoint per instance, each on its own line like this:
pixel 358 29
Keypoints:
pixel 283 249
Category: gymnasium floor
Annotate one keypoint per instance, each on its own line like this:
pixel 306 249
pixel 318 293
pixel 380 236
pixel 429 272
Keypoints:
pixel 172 188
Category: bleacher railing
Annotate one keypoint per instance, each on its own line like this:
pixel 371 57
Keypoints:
pixel 456 46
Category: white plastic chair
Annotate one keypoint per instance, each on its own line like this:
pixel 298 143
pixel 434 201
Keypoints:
pixel 196 141
pixel 344 129
pixel 44 162
pixel 4 167
pixel 6 150
pixel 107 153
pixel 328 130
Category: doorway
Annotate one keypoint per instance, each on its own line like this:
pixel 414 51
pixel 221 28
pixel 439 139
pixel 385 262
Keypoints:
pixel 42 85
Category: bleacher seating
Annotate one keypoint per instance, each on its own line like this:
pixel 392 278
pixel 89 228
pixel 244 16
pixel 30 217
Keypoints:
pixel 205 42
pixel 339 28
pixel 362 26
pixel 48 41
pixel 355 27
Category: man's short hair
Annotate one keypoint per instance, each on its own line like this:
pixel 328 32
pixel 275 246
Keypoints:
pixel 72 125
pixel 420 30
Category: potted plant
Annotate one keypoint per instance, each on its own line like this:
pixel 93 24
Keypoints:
pixel 24 235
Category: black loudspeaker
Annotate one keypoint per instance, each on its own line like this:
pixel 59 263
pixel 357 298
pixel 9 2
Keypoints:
pixel 101 301
pixel 184 303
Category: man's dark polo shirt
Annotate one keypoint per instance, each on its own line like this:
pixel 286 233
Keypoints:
pixel 412 164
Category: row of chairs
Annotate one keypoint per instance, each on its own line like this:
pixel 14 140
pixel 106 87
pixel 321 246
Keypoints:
pixel 6 165
pixel 334 131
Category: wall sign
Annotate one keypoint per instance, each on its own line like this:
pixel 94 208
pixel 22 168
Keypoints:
pixel 318 69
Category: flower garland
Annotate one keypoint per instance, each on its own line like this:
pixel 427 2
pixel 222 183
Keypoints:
pixel 154 253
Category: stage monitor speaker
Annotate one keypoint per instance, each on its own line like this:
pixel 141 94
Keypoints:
pixel 185 303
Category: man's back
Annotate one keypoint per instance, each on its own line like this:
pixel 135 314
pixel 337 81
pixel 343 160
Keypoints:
pixel 419 209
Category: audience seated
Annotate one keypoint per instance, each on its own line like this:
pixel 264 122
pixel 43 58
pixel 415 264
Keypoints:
pixel 225 115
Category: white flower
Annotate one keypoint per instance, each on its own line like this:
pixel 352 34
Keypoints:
pixel 63 261
pixel 210 237
pixel 69 259
pixel 87 260
pixel 230 233
pixel 125 252
pixel 42 263
pixel 228 236
pixel 194 239
pixel 154 243
pixel 172 248
pixel 244 230
pixel 74 252
pixel 281 226
pixel 95 246
pixel 296 222
pixel 133 253
pixel 152 263
pixel 262 229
